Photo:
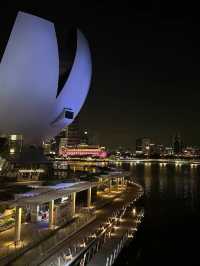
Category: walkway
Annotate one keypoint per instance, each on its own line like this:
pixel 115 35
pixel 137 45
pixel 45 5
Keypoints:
pixel 33 234
pixel 114 243
pixel 102 216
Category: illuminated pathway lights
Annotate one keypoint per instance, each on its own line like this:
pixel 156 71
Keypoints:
pixel 49 197
pixel 103 240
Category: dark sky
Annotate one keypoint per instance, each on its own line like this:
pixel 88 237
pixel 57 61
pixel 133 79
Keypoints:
pixel 146 65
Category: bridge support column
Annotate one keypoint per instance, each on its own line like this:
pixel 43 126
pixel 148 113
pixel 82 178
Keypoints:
pixel 73 203
pixel 18 220
pixel 34 213
pixel 51 213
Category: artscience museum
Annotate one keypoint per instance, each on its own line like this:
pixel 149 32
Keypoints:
pixel 44 78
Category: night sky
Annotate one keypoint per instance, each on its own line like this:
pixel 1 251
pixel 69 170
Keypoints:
pixel 146 65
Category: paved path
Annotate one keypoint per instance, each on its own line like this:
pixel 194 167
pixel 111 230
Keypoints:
pixel 102 215
pixel 30 232
pixel 35 233
pixel 34 255
pixel 113 244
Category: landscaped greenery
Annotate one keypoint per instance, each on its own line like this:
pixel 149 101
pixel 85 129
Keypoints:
pixel 6 223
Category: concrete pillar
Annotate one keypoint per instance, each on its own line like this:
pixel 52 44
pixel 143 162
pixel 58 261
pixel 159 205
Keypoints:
pixel 73 203
pixel 110 184
pixel 18 220
pixel 51 213
pixel 89 196
pixel 34 213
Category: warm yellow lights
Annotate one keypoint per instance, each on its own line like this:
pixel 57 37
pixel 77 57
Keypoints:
pixel 134 211
pixel 13 137
pixel 12 150
pixel 31 170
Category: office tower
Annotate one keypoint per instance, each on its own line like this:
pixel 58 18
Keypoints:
pixel 15 142
pixel 142 146
pixel 177 144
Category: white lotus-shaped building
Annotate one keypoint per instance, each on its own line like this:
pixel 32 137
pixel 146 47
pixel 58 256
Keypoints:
pixel 38 94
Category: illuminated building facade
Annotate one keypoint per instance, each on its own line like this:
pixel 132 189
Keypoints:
pixel 69 136
pixel 142 146
pixel 83 151
pixel 72 134
pixel 44 78
pixel 15 143
pixel 31 164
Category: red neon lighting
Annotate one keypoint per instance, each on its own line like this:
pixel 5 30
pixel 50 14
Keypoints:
pixel 82 152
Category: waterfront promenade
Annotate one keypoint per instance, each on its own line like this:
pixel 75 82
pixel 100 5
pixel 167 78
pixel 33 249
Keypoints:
pixel 56 258
pixel 49 250
pixel 40 236
pixel 46 250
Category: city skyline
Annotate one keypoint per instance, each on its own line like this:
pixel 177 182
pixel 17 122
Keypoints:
pixel 117 181
pixel 146 67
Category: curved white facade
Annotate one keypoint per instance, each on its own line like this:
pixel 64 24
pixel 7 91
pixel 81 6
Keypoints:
pixel 29 73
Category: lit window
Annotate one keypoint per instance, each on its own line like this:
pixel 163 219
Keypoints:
pixel 13 137
pixel 12 151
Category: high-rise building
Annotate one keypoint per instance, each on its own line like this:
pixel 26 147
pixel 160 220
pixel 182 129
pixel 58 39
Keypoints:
pixel 85 138
pixel 142 146
pixel 73 134
pixel 177 144
pixel 168 151
pixel 15 143
pixel 69 136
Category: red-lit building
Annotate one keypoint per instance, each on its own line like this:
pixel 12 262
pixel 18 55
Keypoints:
pixel 83 151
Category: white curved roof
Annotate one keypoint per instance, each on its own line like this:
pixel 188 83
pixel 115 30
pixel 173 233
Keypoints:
pixel 29 72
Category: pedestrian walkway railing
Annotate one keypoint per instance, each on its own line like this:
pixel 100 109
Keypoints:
pixel 43 241
pixel 84 250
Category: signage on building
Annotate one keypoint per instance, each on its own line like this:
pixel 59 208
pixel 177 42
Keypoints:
pixel 31 171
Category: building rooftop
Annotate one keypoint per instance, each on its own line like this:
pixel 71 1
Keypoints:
pixel 45 194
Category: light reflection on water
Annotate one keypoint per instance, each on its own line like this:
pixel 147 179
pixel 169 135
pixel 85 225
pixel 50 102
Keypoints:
pixel 172 216
pixel 168 182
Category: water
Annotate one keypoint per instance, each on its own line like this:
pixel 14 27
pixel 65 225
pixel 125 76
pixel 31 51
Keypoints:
pixel 170 234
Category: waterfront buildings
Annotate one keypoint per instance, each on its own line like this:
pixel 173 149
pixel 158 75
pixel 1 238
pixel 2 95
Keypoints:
pixel 11 144
pixel 177 144
pixel 85 137
pixel 15 143
pixel 83 151
pixel 142 146
pixel 69 136
pixel 28 165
